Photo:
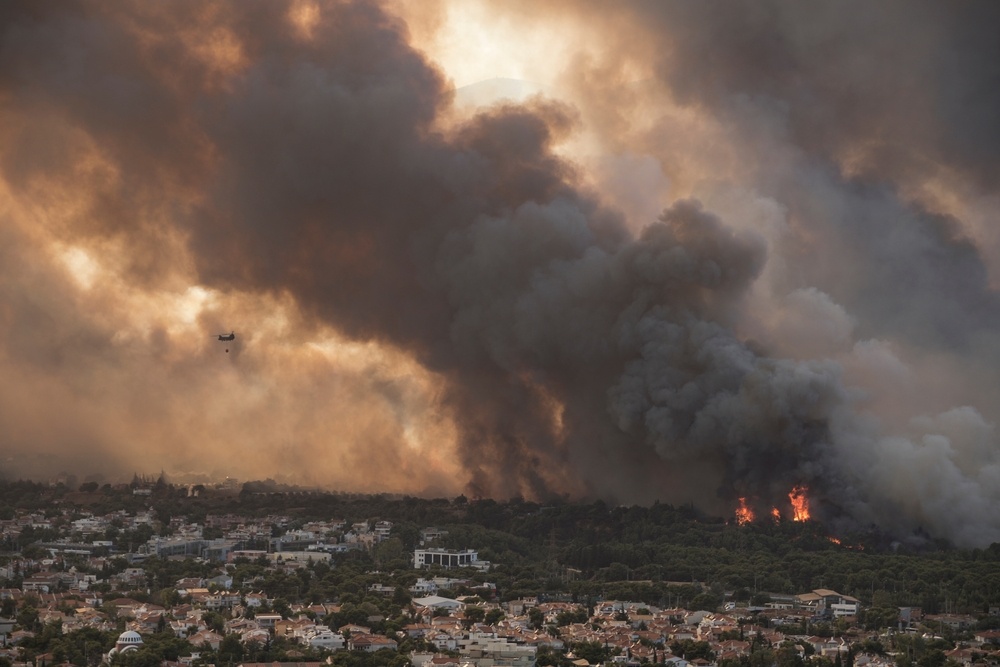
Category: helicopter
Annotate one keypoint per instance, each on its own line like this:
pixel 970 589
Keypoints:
pixel 226 337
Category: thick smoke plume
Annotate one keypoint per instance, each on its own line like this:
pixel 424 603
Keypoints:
pixel 736 250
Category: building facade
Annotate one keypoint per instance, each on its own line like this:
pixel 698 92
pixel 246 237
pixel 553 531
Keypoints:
pixel 445 558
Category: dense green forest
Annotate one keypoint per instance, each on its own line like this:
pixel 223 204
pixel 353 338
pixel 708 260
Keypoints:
pixel 586 551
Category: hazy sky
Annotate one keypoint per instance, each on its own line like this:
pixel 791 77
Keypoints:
pixel 634 250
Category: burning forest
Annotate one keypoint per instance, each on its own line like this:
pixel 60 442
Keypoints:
pixel 502 250
pixel 798 508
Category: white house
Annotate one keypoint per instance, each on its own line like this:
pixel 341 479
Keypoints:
pixel 438 602
pixel 320 636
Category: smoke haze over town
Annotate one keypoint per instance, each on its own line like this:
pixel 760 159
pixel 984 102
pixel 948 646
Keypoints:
pixel 635 251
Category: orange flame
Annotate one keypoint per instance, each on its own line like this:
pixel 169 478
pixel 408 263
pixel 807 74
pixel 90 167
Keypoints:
pixel 744 514
pixel 834 540
pixel 800 503
pixel 775 514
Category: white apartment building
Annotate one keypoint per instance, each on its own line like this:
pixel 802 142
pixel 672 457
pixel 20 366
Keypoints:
pixel 445 558
pixel 383 529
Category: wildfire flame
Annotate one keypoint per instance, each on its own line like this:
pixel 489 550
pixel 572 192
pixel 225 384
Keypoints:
pixel 833 539
pixel 800 503
pixel 776 514
pixel 744 514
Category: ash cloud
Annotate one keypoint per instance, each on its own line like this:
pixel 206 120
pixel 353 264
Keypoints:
pixel 866 131
pixel 168 170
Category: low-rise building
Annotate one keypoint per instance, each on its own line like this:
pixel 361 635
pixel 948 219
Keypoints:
pixel 445 558
pixel 320 636
pixel 371 643
pixel 825 602
pixel 487 650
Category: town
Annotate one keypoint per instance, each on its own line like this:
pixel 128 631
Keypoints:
pixel 135 585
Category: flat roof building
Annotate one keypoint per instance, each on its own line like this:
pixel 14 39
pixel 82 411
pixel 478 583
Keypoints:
pixel 445 558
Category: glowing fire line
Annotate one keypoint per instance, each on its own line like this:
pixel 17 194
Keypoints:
pixel 797 497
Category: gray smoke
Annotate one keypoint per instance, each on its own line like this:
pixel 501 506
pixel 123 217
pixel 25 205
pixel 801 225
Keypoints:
pixel 227 145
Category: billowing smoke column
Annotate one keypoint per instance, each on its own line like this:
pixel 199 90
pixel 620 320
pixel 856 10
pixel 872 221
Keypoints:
pixel 476 252
pixel 301 152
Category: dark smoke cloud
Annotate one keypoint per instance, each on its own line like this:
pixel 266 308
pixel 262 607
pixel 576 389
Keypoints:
pixel 873 100
pixel 914 84
pixel 854 119
pixel 301 171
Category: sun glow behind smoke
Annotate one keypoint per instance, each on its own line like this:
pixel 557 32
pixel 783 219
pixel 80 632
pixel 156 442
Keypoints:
pixel 219 170
pixel 473 42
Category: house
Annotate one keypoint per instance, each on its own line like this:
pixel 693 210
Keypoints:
pixel 828 645
pixel 433 660
pixel 382 530
pixel 415 630
pixel 320 636
pixel 209 637
pixel 220 601
pixel 424 587
pixel 125 607
pixel 255 599
pixel 871 660
pixel 181 627
pixel 254 635
pixel 443 641
pixel 825 602
pixel 987 636
pixel 734 646
pixel 371 643
pixel 267 620
pixel 382 589
pixel 181 610
pixel 6 625
pixel 430 534
pixel 953 621
pixel 287 628
pixel 910 615
pixel 486 650
pixel 240 624
pixel 437 602
pixel 962 656
pixel 183 586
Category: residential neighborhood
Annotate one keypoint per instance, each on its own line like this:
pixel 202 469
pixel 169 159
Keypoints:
pixel 206 588
pixel 499 333
pixel 250 585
